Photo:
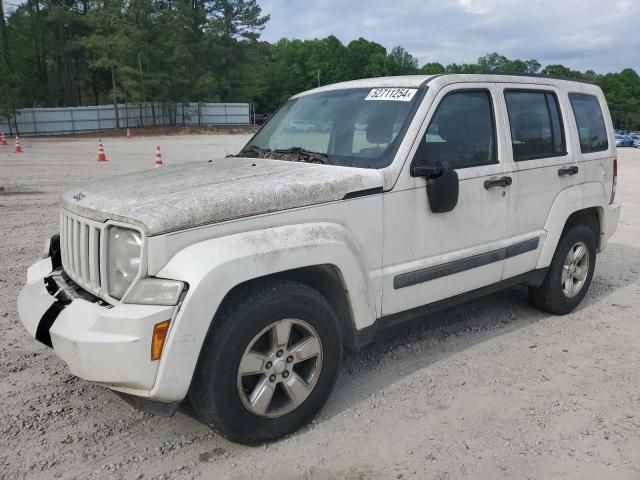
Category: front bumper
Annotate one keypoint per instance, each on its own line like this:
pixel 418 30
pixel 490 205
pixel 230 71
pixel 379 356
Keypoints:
pixel 110 345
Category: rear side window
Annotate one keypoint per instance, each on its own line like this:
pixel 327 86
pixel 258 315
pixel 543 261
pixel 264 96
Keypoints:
pixel 461 132
pixel 536 124
pixel 591 129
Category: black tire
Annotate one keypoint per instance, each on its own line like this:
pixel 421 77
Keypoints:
pixel 214 389
pixel 550 296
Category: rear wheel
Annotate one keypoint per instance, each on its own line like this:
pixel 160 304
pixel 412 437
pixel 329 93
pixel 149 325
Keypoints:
pixel 570 272
pixel 269 362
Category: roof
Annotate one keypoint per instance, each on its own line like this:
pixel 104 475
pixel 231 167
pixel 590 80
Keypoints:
pixel 403 81
pixel 416 81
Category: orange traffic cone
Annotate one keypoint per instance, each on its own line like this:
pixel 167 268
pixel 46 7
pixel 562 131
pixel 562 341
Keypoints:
pixel 158 162
pixel 18 147
pixel 101 156
pixel 3 139
pixel 129 133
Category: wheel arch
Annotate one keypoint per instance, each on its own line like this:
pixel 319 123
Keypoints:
pixel 591 217
pixel 327 279
pixel 323 256
pixel 579 204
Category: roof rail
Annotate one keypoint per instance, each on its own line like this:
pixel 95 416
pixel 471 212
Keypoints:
pixel 519 74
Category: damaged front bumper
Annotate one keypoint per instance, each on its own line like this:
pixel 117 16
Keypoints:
pixel 110 345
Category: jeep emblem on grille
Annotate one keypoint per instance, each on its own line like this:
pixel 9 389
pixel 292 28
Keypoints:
pixel 79 196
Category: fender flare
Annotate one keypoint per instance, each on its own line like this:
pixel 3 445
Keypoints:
pixel 212 268
pixel 569 201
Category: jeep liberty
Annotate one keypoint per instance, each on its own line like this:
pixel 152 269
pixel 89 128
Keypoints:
pixel 237 283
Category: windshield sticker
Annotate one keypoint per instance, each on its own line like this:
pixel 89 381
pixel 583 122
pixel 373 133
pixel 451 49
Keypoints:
pixel 393 94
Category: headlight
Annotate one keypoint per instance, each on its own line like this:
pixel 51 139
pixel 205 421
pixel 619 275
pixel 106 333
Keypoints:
pixel 123 259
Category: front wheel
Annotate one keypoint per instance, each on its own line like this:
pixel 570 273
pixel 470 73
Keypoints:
pixel 569 274
pixel 269 362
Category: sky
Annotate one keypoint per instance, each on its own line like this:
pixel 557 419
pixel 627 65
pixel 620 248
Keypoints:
pixel 600 35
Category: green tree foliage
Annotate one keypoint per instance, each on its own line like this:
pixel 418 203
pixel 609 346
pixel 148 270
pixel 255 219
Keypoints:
pixel 358 57
pixel 236 18
pixel 401 62
pixel 82 52
pixel 556 70
pixel 297 65
pixel 494 62
pixel 623 96
pixel 433 68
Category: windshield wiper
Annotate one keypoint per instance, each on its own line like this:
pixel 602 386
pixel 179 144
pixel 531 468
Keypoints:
pixel 307 155
pixel 294 154
pixel 253 150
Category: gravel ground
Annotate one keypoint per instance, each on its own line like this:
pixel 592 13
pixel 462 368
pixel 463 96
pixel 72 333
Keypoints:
pixel 492 389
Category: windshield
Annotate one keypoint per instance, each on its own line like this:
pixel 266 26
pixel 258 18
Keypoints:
pixel 360 127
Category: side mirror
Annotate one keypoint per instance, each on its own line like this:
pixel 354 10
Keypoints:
pixel 443 192
pixel 442 186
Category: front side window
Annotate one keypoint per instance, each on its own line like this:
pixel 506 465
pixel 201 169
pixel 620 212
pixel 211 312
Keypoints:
pixel 360 127
pixel 461 132
pixel 591 129
pixel 536 126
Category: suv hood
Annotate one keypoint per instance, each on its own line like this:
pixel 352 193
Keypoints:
pixel 183 196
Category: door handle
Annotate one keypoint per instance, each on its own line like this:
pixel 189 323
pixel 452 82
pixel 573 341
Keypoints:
pixel 498 182
pixel 565 171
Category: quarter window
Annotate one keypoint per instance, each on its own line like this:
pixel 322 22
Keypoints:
pixel 536 125
pixel 591 129
pixel 461 132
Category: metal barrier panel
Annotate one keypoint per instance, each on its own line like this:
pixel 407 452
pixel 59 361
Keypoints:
pixel 57 121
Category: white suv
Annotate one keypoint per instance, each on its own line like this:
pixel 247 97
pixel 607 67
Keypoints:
pixel 237 282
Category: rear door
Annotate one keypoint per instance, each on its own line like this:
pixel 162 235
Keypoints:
pixel 594 152
pixel 542 163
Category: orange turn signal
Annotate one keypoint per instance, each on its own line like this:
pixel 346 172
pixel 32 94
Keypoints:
pixel 157 341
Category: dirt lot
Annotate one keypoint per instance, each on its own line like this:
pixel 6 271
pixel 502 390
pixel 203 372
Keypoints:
pixel 493 389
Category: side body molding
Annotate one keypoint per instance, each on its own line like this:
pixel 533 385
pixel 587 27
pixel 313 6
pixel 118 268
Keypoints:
pixel 213 267
pixel 568 201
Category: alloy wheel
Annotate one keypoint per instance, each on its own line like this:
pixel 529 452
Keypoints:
pixel 575 269
pixel 279 368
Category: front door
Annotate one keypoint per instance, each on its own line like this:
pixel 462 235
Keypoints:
pixel 431 256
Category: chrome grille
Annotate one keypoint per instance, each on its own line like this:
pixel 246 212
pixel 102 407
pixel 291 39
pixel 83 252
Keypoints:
pixel 80 245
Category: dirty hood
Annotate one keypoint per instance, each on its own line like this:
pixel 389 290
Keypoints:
pixel 173 198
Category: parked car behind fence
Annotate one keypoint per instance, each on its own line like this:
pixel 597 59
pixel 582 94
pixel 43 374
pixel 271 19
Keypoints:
pixel 624 141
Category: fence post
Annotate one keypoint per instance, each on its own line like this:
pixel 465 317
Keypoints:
pixel 226 118
pixel 73 125
pixel 98 115
pixel 15 121
pixel 33 119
